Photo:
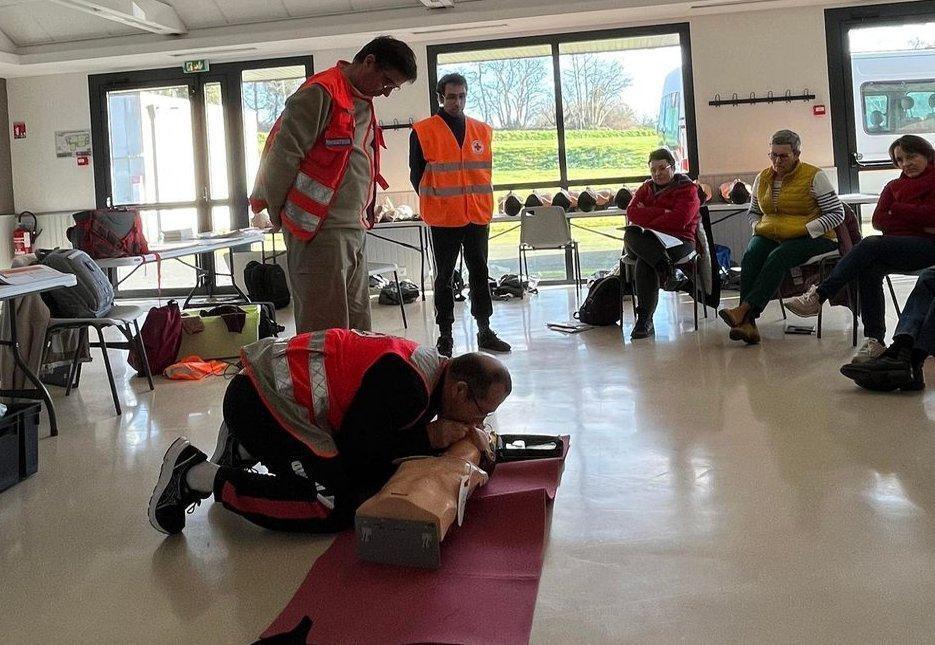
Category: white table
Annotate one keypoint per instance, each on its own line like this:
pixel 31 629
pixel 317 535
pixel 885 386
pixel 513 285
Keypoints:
pixel 179 250
pixel 9 294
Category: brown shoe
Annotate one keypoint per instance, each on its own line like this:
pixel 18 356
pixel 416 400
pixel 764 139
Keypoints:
pixel 751 335
pixel 732 317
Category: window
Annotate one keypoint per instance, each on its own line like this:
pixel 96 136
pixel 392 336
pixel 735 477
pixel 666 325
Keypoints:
pixel 899 107
pixel 575 111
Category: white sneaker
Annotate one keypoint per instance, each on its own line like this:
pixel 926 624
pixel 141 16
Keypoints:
pixel 871 349
pixel 806 305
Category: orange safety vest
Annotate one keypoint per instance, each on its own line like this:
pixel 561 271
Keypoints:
pixel 321 171
pixel 456 188
pixel 308 382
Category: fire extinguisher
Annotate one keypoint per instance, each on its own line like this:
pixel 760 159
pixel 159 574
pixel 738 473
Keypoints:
pixel 25 233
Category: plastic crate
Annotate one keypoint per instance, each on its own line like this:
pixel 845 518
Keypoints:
pixel 19 443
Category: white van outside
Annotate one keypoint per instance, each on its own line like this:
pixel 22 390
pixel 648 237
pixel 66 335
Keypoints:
pixel 894 94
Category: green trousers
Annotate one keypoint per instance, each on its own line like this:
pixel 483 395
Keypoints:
pixel 766 262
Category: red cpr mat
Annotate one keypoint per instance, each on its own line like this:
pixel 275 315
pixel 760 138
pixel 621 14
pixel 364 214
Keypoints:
pixel 484 592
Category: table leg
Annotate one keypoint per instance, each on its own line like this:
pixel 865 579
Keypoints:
pixel 422 260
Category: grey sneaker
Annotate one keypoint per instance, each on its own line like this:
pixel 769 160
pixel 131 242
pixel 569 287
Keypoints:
pixel 807 305
pixel 172 496
pixel 871 349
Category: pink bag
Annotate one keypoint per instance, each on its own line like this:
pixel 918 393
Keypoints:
pixel 162 336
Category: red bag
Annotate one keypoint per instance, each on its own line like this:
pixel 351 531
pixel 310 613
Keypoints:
pixel 108 233
pixel 162 336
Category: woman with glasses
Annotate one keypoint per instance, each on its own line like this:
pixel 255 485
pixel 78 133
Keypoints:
pixel 662 222
pixel 906 216
pixel 794 210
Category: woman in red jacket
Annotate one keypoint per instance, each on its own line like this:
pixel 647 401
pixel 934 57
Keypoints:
pixel 663 219
pixel 906 216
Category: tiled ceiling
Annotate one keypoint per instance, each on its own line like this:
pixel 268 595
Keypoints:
pixel 39 22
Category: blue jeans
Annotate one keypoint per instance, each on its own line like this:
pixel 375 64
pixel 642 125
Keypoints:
pixel 918 318
pixel 869 262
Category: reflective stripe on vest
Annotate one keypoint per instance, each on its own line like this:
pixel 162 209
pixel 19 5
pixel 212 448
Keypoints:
pixel 457 190
pixel 286 391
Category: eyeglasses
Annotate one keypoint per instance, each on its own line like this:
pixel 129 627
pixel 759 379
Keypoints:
pixel 388 83
pixel 660 168
pixel 778 156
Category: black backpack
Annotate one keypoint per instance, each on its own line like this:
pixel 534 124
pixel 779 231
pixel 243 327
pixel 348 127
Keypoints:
pixel 266 283
pixel 268 325
pixel 602 306
pixel 389 295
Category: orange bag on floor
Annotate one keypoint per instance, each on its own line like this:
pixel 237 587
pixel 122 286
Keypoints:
pixel 193 368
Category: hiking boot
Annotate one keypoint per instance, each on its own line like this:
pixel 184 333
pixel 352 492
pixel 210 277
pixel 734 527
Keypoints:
pixel 172 496
pixel 227 452
pixel 871 349
pixel 487 340
pixel 732 317
pixel 643 327
pixel 807 305
pixel 747 332
pixel 444 345
pixel 882 374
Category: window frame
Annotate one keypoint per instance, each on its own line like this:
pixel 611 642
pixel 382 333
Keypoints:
pixel 554 41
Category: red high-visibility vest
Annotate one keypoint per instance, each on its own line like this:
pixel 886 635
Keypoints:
pixel 456 188
pixel 308 382
pixel 323 168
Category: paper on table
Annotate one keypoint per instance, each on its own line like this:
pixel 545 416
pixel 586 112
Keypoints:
pixel 27 274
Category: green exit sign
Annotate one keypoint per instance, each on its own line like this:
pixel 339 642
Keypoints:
pixel 195 66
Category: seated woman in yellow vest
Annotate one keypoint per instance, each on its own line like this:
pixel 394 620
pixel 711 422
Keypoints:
pixel 794 211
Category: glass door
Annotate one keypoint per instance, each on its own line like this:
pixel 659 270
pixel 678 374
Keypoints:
pixel 152 153
pixel 184 149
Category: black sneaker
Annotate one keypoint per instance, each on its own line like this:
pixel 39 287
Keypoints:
pixel 227 451
pixel 883 374
pixel 643 328
pixel 444 345
pixel 488 341
pixel 172 496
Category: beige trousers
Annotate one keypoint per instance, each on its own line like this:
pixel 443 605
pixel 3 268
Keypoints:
pixel 330 283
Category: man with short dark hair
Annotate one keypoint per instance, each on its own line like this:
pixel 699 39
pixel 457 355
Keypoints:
pixel 316 182
pixel 327 413
pixel 450 165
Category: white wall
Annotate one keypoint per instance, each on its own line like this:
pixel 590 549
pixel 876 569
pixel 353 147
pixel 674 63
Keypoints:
pixel 739 53
pixel 731 53
pixel 43 182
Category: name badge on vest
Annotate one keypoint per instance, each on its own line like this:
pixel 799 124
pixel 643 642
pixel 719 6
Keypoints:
pixel 344 142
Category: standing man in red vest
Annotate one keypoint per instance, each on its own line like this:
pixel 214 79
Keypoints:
pixel 316 182
pixel 327 413
pixel 450 163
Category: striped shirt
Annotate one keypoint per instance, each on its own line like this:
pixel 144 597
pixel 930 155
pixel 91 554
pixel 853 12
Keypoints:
pixel 832 211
